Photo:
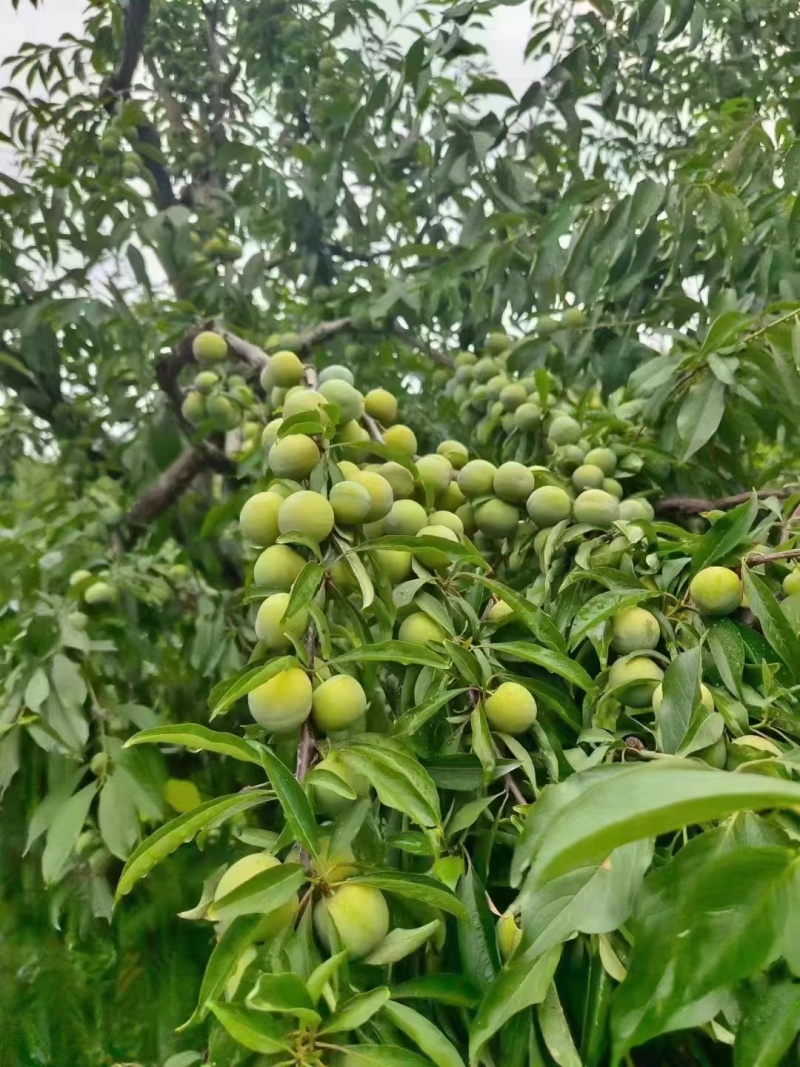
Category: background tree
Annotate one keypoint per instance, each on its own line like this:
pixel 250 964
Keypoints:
pixel 359 188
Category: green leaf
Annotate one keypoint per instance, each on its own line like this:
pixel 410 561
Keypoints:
pixel 356 1011
pixel 724 331
pixel 262 893
pixel 398 778
pixel 294 802
pixel 681 693
pixel 222 963
pixel 477 939
pixel 360 572
pixel 769 1026
pixel 383 1056
pixel 401 942
pixel 199 739
pixel 774 623
pixel 304 587
pixel 323 974
pixel 413 720
pixel 517 987
pixel 424 1034
pixel 454 989
pixel 64 831
pixel 414 887
pixel 537 621
pixel 551 661
pixel 176 833
pixel 490 87
pixel 402 652
pixel 285 994
pixel 117 817
pixel 726 647
pixel 468 814
pixel 602 607
pixel 225 694
pixel 253 1029
pixel 68 681
pixel 555 1031
pixel 319 776
pixel 700 414
pixel 610 806
pixel 725 536
pixel 454 550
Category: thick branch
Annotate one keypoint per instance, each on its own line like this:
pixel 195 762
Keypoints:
pixel 694 505
pixel 172 109
pixel 136 14
pixel 325 330
pixel 174 481
pixel 414 342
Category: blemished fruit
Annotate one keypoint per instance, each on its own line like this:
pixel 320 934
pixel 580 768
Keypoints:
pixel 223 412
pixel 336 372
pixel 325 798
pixel 511 709
pixel 587 476
pixel 259 519
pixel 99 593
pixel 284 370
pixel 706 699
pixel 394 564
pixel 455 452
pixel 476 478
pixel 419 629
pixel 548 505
pixel 434 558
pixel 716 591
pixel 434 471
pixel 596 507
pixel 308 514
pixel 360 915
pixel 294 456
pixel 791 583
pixel 564 430
pixel 272 629
pixel 448 519
pixel 633 629
pixel 337 703
pixel 513 482
pixel 381 405
pixel 209 347
pixel 277 567
pixel 193 407
pixel 380 492
pixel 497 519
pixel 348 399
pixel 603 458
pixel 509 935
pixel 283 703
pixel 351 502
pixel 401 439
pixel 635 681
pixel 406 517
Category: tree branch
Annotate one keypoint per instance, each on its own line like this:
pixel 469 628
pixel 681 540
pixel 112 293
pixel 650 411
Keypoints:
pixel 325 330
pixel 771 557
pixel 136 15
pixel 422 346
pixel 693 505
pixel 174 481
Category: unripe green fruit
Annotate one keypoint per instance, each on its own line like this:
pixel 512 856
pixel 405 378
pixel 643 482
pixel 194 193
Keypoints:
pixel 78 620
pixel 791 610
pixel 791 583
pixel 306 513
pixel 548 505
pixel 351 503
pixel 507 422
pixel 336 372
pixel 401 439
pixel 259 519
pixel 396 565
pixel 513 395
pixel 99 764
pixel 610 555
pixel 379 490
pixel 494 387
pixel 485 369
pixel 569 457
pixel 284 369
pixel 419 629
pixel 511 709
pixel 282 703
pixel 360 915
pixel 348 470
pixel 381 405
pixel 497 342
pixel 333 868
pixel 716 591
pixel 270 433
pixel 509 936
pixel 302 400
pixel 448 519
pixel 223 412
pixel 271 628
pixel 250 431
pixel 327 800
pixel 636 507
pixel 596 507
pixel 478 395
pixel 455 452
pixel 634 629
pixel 637 678
pixel 546 325
pixel 587 476
pixel 476 478
pixel 349 401
pixel 78 577
pixel 209 347
pixel 466 359
pixel 100 593
pixel 352 433
pixel 564 430
pixel 436 471
pixel 284 487
pixel 572 318
pixel 464 374
pixel 497 519
pixel 205 381
pixel 706 699
pixel 406 517
pixel 527 416
pixel 242 871
pixel 294 456
pixel 603 458
pixel 277 567
pixel 433 558
pixel 401 480
pixel 337 703
pixel 715 755
pixel 513 482
pixel 612 486
pixel 466 513
pixel 499 611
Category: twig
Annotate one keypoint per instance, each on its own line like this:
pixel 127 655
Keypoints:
pixel 372 429
pixel 246 351
pixel 422 346
pixel 161 495
pixel 514 789
pixel 172 109
pixel 307 746
pixel 771 557
pixel 693 505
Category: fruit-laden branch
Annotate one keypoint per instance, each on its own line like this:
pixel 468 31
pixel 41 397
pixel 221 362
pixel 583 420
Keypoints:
pixel 174 481
pixel 694 505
